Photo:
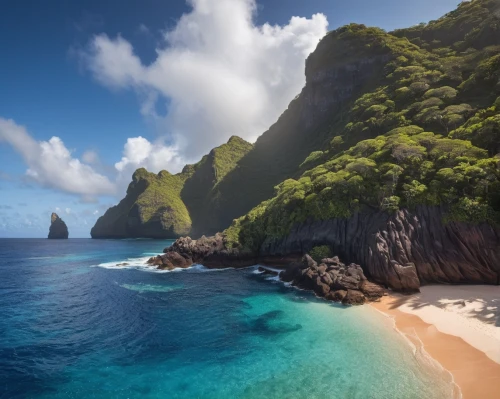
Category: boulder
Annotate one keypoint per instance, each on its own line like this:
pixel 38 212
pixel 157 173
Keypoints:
pixel 354 297
pixel 338 295
pixel 372 291
pixel 345 282
pixel 155 261
pixel 309 262
pixel 319 287
pixel 335 261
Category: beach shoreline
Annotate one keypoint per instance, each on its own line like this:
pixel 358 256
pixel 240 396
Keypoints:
pixel 458 327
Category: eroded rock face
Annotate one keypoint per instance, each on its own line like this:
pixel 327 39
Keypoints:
pixel 58 228
pixel 400 251
pixel 333 280
pixel 209 251
pixel 405 249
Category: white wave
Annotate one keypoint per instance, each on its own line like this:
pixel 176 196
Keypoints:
pixel 273 278
pixel 203 269
pixel 257 271
pixel 142 288
pixel 131 263
pixel 141 264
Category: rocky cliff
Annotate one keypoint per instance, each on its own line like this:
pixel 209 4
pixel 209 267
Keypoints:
pixel 388 156
pixel 168 206
pixel 405 249
pixel 58 228
pixel 402 250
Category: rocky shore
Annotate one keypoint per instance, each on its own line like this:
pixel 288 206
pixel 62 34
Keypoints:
pixel 401 251
pixel 330 279
pixel 333 280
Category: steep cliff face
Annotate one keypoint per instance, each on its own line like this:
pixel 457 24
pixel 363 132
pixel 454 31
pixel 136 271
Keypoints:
pixel 403 250
pixel 152 208
pixel 333 82
pixel 200 191
pixel 168 206
pixel 58 228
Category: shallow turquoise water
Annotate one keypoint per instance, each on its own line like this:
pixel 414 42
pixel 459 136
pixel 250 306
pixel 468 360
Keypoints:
pixel 73 329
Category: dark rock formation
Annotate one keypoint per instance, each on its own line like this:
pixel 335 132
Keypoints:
pixel 400 251
pixel 58 228
pixel 405 249
pixel 333 280
pixel 209 251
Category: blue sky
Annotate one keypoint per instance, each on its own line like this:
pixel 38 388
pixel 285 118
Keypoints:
pixel 137 85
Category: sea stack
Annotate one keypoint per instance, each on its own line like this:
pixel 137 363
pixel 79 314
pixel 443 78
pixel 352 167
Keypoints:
pixel 58 228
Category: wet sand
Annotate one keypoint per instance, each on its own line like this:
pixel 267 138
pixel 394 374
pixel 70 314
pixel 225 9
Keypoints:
pixel 461 331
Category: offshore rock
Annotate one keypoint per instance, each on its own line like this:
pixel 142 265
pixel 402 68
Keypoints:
pixel 58 228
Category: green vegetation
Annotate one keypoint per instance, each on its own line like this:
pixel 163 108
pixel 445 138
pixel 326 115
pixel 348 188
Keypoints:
pixel 166 205
pixel 386 121
pixel 426 133
pixel 201 190
pixel 320 252
pixel 161 202
pixel 151 208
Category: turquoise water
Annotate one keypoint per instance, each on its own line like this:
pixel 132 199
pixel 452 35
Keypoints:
pixel 75 325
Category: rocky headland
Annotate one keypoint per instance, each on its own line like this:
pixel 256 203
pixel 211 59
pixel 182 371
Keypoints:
pixel 388 157
pixel 330 279
pixel 58 228
pixel 400 251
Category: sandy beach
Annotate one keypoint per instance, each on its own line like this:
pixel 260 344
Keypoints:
pixel 459 327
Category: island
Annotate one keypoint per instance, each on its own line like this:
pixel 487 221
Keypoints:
pixel 58 229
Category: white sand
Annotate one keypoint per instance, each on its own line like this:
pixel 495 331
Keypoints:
pixel 471 312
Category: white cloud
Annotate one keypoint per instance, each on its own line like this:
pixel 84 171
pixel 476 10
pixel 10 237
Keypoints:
pixel 90 157
pixel 217 75
pixel 139 152
pixel 50 163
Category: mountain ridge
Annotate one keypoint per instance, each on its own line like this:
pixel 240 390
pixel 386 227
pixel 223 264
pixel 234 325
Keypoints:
pixel 407 181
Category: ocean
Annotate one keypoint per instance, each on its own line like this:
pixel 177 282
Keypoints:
pixel 75 325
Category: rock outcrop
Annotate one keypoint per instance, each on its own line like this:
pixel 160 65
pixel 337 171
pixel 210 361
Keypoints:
pixel 333 280
pixel 402 250
pixel 58 228
pixel 405 249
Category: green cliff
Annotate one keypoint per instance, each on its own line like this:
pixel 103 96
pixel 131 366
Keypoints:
pixel 423 130
pixel 164 205
pixel 385 121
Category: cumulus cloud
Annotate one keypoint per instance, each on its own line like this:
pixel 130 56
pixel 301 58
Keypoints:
pixel 218 74
pixel 50 163
pixel 90 157
pixel 140 152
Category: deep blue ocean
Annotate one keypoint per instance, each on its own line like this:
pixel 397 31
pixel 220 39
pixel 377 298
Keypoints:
pixel 75 325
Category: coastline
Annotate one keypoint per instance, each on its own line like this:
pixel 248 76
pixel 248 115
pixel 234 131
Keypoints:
pixel 458 327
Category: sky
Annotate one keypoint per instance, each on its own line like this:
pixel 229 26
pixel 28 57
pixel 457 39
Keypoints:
pixel 91 90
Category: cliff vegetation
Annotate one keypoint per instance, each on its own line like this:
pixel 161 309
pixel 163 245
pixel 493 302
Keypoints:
pixel 426 131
